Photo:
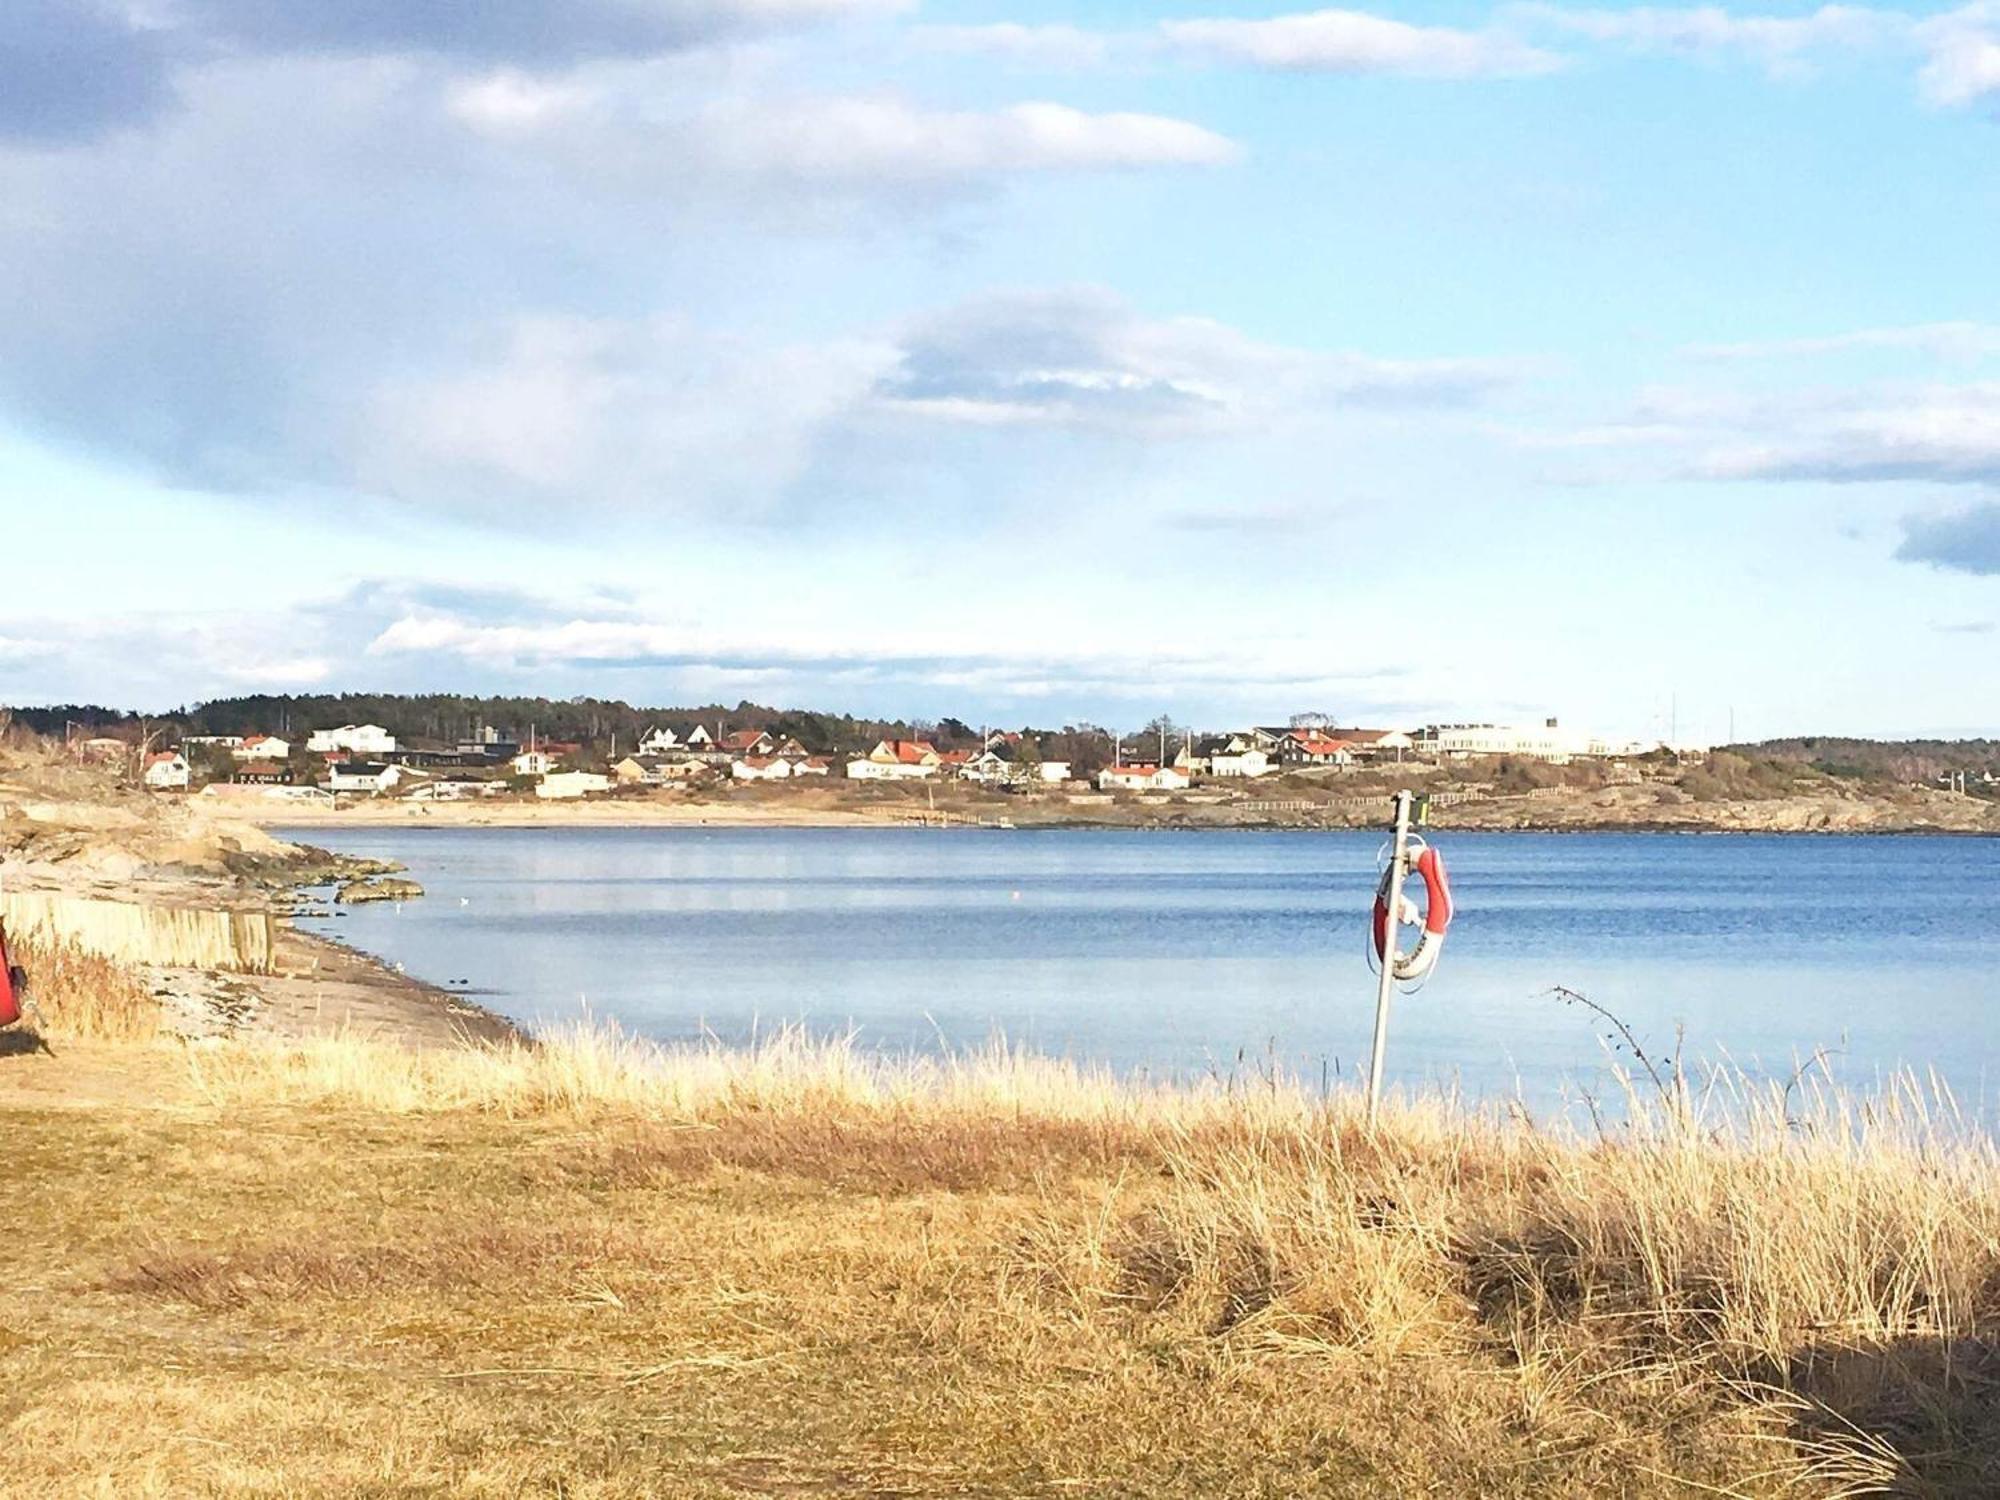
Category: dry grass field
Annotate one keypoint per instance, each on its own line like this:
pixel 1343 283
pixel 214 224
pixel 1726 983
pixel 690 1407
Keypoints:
pixel 596 1268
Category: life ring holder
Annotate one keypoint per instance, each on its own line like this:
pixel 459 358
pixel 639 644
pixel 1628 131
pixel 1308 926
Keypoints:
pixel 1427 864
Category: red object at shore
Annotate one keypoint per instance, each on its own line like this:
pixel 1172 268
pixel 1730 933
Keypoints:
pixel 10 985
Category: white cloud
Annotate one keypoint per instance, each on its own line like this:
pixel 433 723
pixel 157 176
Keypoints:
pixel 1348 41
pixel 1084 359
pixel 1955 340
pixel 1029 664
pixel 1934 433
pixel 1962 49
pixel 1941 434
pixel 1777 42
pixel 891 140
pixel 606 126
pixel 1052 46
pixel 652 414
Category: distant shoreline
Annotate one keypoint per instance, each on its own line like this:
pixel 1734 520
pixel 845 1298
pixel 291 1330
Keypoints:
pixel 1495 815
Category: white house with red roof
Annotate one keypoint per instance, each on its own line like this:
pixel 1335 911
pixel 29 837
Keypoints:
pixel 897 760
pixel 261 747
pixel 761 768
pixel 1142 777
pixel 1314 747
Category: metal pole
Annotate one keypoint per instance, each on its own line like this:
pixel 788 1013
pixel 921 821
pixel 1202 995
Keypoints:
pixel 1386 988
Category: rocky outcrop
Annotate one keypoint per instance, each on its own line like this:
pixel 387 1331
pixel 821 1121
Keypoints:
pixel 356 892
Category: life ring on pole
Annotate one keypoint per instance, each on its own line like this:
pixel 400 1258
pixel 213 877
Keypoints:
pixel 1427 863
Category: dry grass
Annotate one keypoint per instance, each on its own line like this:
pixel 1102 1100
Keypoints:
pixel 600 1268
pixel 78 995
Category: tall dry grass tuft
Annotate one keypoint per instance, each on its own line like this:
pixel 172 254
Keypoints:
pixel 1821 1264
pixel 80 995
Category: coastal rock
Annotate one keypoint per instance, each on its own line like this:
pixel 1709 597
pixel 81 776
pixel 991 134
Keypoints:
pixel 357 891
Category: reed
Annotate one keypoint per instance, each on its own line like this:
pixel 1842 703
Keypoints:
pixel 84 996
pixel 133 933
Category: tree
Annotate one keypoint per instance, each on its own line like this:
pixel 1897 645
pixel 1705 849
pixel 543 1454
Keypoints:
pixel 1028 760
pixel 1160 736
pixel 1086 747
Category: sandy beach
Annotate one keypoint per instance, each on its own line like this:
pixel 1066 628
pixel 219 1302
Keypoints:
pixel 611 814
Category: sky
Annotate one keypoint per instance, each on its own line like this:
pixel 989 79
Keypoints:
pixel 1054 360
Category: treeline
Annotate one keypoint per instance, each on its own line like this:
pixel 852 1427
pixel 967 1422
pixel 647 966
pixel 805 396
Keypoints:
pixel 443 719
pixel 1881 760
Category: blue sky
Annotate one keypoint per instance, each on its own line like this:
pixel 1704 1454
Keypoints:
pixel 1025 363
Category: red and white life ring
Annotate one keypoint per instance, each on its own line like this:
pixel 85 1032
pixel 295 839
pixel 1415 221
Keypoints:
pixel 1429 865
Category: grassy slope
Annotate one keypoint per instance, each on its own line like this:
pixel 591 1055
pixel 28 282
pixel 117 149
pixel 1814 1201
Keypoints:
pixel 344 1269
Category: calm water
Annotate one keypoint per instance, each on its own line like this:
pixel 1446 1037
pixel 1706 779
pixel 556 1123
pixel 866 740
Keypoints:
pixel 1181 953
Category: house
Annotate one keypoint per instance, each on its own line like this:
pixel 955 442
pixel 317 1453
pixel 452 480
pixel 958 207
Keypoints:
pixel 1197 757
pixel 953 763
pixel 658 741
pixel 897 760
pixel 219 741
pixel 1142 778
pixel 656 770
pixel 812 765
pixel 533 763
pixel 1054 772
pixel 636 770
pixel 988 767
pixel 263 747
pixel 1251 753
pixel 166 771
pixel 740 743
pixel 1371 744
pixel 760 768
pixel 371 776
pixel 263 773
pixel 355 739
pixel 566 786
pixel 700 739
pixel 1313 747
pixel 489 744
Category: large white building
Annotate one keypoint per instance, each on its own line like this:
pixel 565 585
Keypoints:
pixel 1546 741
pixel 355 739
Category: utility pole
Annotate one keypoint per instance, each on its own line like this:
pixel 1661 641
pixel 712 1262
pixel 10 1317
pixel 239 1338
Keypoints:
pixel 1385 989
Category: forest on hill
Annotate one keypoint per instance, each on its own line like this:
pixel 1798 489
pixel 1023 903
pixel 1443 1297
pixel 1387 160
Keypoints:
pixel 446 718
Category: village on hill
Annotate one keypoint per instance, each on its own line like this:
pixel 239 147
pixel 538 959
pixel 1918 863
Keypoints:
pixel 369 761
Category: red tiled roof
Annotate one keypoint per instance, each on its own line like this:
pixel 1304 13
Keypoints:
pixel 161 757
pixel 956 757
pixel 911 752
pixel 741 739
